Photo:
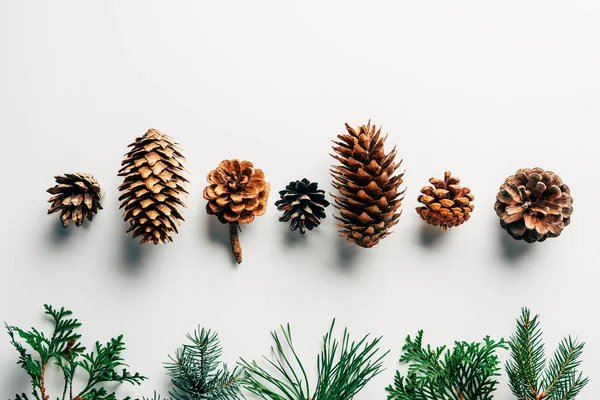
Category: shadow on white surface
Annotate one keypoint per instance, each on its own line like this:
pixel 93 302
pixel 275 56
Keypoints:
pixel 430 236
pixel 133 254
pixel 294 238
pixel 513 250
pixel 58 234
pixel 348 254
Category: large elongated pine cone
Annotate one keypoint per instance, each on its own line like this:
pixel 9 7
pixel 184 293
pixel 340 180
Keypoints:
pixel 446 203
pixel 534 205
pixel 153 187
pixel 237 193
pixel 78 196
pixel 369 197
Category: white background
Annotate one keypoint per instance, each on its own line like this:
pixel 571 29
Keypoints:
pixel 478 88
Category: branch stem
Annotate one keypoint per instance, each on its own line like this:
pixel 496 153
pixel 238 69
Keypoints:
pixel 43 383
pixel 234 228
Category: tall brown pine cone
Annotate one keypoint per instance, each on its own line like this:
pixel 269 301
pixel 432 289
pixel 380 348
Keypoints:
pixel 534 205
pixel 78 196
pixel 236 194
pixel 446 203
pixel 153 187
pixel 369 197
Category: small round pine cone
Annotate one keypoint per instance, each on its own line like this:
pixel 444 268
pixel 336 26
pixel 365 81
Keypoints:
pixel 236 194
pixel 303 205
pixel 78 196
pixel 534 205
pixel 445 204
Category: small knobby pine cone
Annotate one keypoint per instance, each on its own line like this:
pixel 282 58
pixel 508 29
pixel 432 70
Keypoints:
pixel 153 187
pixel 446 203
pixel 78 196
pixel 534 205
pixel 237 192
pixel 370 198
pixel 303 205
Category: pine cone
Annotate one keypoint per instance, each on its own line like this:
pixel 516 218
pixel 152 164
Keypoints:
pixel 153 187
pixel 303 204
pixel 236 194
pixel 534 205
pixel 78 195
pixel 370 199
pixel 446 204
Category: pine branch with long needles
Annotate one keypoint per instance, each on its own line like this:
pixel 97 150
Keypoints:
pixel 467 372
pixel 343 368
pixel 196 372
pixel 530 377
pixel 63 349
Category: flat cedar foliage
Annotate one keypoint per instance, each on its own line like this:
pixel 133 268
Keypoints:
pixel 62 349
pixel 467 372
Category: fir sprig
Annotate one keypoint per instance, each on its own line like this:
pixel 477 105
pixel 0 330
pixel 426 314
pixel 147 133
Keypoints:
pixel 64 350
pixel 343 368
pixel 197 373
pixel 466 372
pixel 529 378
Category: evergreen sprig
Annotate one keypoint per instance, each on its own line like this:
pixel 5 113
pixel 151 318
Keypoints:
pixel 528 376
pixel 196 372
pixel 343 367
pixel 466 372
pixel 64 350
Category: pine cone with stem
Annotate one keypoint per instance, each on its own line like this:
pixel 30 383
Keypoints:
pixel 303 205
pixel 153 187
pixel 369 197
pixel 236 194
pixel 534 205
pixel 77 196
pixel 445 203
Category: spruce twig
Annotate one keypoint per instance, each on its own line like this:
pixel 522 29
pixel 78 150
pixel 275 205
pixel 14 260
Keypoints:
pixel 466 372
pixel 343 367
pixel 64 350
pixel 529 377
pixel 196 372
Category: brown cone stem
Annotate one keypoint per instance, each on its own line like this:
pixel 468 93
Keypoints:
pixel 234 228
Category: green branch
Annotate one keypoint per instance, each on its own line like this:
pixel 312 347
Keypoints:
pixel 64 350
pixel 560 379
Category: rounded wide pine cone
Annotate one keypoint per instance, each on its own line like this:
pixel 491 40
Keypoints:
pixel 153 187
pixel 237 192
pixel 78 196
pixel 534 205
pixel 369 191
pixel 303 205
pixel 445 204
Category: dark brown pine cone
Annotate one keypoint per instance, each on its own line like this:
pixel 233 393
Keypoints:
pixel 303 205
pixel 534 205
